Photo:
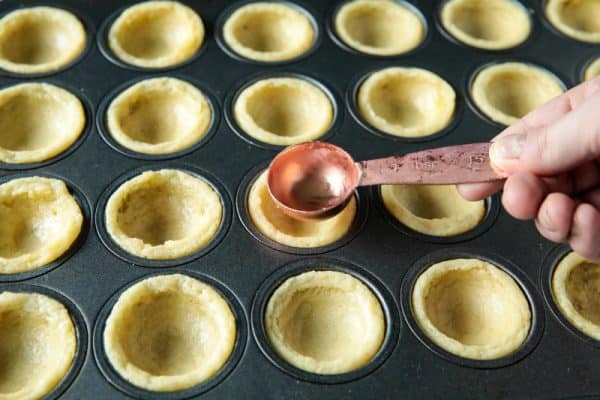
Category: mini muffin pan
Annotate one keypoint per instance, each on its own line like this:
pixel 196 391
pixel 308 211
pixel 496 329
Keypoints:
pixel 555 360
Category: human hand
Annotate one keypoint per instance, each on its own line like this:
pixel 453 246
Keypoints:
pixel 552 159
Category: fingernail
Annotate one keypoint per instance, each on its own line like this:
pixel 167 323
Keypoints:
pixel 507 148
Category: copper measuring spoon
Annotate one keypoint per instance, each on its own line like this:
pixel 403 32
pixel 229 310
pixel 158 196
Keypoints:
pixel 315 180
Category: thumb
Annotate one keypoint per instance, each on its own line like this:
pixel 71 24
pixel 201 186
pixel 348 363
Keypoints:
pixel 558 147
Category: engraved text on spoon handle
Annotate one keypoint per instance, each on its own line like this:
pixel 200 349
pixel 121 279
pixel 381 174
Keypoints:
pixel 468 163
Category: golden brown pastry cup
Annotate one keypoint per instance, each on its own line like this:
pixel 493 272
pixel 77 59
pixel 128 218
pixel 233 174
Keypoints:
pixel 472 309
pixel 283 110
pixel 38 121
pixel 405 102
pixel 575 283
pixel 434 210
pixel 312 319
pixel 486 24
pixel 41 220
pixel 156 34
pixel 38 347
pixel 140 118
pixel 318 280
pixel 271 226
pixel 169 333
pixel 166 214
pixel 40 40
pixel 269 32
pixel 578 20
pixel 505 92
pixel 382 28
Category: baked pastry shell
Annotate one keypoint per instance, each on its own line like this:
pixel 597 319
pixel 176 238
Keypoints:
pixel 489 25
pixel 24 48
pixel 140 119
pixel 173 300
pixel 379 28
pixel 406 102
pixel 189 220
pixel 579 20
pixel 268 32
pixel 446 279
pixel 142 35
pixel 505 92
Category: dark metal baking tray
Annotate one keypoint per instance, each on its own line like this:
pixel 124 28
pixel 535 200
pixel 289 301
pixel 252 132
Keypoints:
pixel 557 361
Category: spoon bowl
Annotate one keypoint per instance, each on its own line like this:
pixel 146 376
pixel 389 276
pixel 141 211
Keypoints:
pixel 312 180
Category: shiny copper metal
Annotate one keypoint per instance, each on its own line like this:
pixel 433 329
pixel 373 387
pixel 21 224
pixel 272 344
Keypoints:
pixel 312 180
pixel 315 180
pixel 466 163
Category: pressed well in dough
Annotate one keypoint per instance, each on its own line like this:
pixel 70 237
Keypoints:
pixel 283 111
pixel 39 40
pixel 37 347
pixel 159 116
pixel 379 27
pixel 406 102
pixel 486 24
pixel 508 91
pixel 39 221
pixel 155 34
pixel 436 210
pixel 281 228
pixel 163 214
pixel 578 19
pixel 37 122
pixel 575 287
pixel 325 322
pixel 471 308
pixel 169 333
pixel 268 32
pixel 593 70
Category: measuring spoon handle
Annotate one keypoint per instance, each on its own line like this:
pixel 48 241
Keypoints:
pixel 466 163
